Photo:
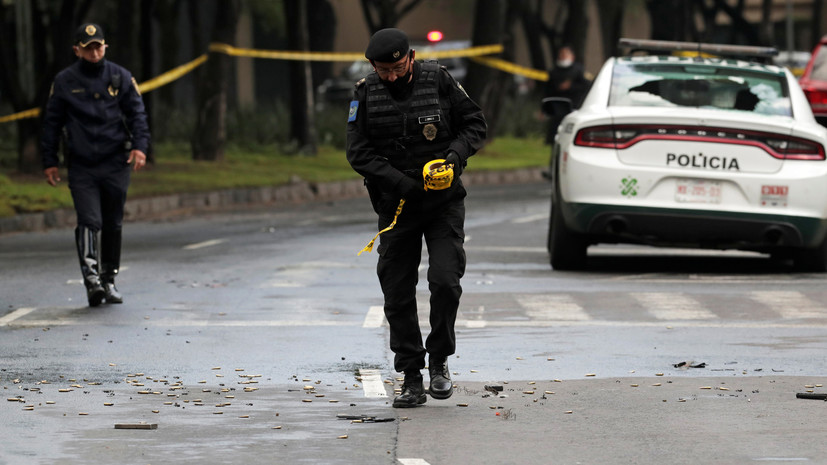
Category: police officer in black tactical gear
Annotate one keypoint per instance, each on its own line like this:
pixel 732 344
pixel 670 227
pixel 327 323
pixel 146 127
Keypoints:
pixel 96 108
pixel 404 115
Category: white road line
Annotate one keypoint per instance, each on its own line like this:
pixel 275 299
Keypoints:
pixel 672 306
pixel 790 304
pixel 372 383
pixel 413 462
pixel 532 250
pixel 531 218
pixel 201 245
pixel 552 307
pixel 717 323
pixel 375 317
pixel 16 314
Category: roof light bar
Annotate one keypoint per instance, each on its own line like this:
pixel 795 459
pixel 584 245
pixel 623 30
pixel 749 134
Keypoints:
pixel 715 49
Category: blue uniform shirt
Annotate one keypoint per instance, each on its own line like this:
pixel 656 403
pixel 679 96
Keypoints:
pixel 95 107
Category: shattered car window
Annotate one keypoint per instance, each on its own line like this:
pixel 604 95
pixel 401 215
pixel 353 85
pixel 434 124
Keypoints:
pixel 699 85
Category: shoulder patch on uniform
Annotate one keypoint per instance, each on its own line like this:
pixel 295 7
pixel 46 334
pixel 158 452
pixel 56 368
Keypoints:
pixel 354 108
pixel 360 82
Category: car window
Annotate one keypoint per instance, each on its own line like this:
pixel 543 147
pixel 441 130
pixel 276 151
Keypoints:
pixel 819 72
pixel 699 85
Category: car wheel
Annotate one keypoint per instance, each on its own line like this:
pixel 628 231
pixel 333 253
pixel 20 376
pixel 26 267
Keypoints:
pixel 813 260
pixel 567 249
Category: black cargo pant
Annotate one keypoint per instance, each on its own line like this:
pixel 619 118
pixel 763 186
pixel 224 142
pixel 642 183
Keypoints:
pixel 399 258
pixel 99 193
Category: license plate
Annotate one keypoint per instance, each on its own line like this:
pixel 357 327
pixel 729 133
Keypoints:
pixel 697 191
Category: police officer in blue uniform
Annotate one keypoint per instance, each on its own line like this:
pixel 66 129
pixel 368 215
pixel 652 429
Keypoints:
pixel 403 115
pixel 95 107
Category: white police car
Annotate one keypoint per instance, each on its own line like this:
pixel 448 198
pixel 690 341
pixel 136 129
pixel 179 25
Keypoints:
pixel 690 151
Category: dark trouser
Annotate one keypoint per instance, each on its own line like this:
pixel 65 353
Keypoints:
pixel 99 194
pixel 399 257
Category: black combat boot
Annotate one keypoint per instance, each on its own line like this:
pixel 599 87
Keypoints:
pixel 413 391
pixel 86 241
pixel 441 385
pixel 110 263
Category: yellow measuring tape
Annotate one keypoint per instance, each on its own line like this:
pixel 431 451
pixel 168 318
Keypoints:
pixel 369 247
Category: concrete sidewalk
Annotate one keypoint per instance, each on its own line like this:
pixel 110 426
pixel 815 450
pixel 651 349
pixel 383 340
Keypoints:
pixel 184 204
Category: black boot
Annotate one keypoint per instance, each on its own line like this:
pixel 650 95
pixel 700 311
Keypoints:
pixel 86 242
pixel 441 385
pixel 413 392
pixel 110 263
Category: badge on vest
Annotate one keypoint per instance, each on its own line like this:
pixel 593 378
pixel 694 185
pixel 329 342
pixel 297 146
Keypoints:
pixel 429 131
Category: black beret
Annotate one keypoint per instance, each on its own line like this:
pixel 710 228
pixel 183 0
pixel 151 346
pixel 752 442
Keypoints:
pixel 387 46
pixel 88 33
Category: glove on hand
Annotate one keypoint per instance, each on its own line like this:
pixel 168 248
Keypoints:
pixel 453 159
pixel 410 189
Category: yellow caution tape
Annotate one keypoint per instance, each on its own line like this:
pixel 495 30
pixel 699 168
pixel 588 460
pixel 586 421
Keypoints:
pixel 438 175
pixel 345 56
pixel 369 247
pixel 512 68
pixel 144 87
pixel 475 53
pixel 171 75
pixel 30 113
pixel 283 55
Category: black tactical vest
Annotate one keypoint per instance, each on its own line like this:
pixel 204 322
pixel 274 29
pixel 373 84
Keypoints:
pixel 411 133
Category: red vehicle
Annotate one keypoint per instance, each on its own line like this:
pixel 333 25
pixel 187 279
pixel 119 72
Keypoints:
pixel 814 81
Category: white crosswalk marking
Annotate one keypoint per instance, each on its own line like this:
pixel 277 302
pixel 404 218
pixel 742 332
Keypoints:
pixel 552 307
pixel 375 317
pixel 790 304
pixel 672 306
pixel 372 383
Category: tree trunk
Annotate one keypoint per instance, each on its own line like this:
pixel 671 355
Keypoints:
pixel 302 123
pixel 576 24
pixel 147 55
pixel 669 19
pixel 611 20
pixel 210 134
pixel 485 85
pixel 54 28
pixel 817 21
pixel 321 23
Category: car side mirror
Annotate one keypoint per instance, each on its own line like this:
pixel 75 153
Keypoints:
pixel 556 106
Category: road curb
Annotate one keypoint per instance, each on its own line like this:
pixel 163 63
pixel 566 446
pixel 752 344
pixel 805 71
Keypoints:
pixel 192 203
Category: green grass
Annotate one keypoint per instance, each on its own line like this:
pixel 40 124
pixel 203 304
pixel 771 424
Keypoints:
pixel 175 172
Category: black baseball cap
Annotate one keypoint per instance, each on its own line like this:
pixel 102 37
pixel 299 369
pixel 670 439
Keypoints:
pixel 387 46
pixel 88 33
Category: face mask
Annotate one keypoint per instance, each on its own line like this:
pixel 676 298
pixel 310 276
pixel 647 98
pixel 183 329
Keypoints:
pixel 89 66
pixel 564 63
pixel 400 84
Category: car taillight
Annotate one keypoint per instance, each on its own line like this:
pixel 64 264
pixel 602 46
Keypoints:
pixel 604 136
pixel 793 148
pixel 817 99
pixel 624 136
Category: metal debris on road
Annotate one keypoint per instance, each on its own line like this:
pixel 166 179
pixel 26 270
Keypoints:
pixel 363 418
pixel 141 425
pixel 689 364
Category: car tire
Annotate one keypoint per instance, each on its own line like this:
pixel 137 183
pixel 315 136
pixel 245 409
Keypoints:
pixel 567 249
pixel 811 260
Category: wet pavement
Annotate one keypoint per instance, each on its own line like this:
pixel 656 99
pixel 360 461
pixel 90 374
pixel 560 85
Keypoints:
pixel 246 336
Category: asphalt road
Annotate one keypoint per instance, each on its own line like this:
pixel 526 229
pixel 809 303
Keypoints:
pixel 245 335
